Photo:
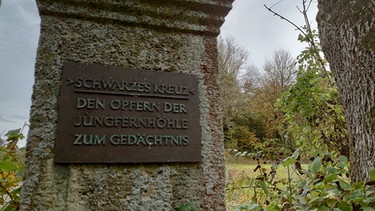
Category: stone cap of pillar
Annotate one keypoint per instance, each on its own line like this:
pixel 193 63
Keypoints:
pixel 187 16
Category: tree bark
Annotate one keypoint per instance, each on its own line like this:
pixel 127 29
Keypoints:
pixel 347 35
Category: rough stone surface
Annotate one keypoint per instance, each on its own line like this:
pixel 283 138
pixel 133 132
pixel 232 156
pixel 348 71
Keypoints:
pixel 172 35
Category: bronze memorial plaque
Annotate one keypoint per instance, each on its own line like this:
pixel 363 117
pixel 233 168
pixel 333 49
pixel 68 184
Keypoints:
pixel 117 115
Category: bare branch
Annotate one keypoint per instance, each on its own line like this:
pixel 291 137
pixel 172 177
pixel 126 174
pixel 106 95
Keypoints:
pixel 311 39
pixel 309 32
pixel 287 20
pixel 277 3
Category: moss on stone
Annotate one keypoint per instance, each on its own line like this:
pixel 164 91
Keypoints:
pixel 350 11
pixel 368 40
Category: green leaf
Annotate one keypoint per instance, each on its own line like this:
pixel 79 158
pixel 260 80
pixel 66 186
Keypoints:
pixel 315 201
pixel 369 200
pixel 331 170
pixel 251 183
pixel 253 207
pixel 8 166
pixel 330 178
pixel 302 184
pixel 288 196
pixel 240 183
pixel 243 153
pixel 301 37
pixel 237 154
pixel 14 135
pixel 316 165
pixel 295 154
pixel 368 209
pixel 16 191
pixel 345 207
pixel 344 185
pixel 242 207
pixel 372 174
pixel 343 158
pixel 358 196
pixel 323 208
pixel 264 187
pixel 188 207
pixel 13 132
pixel 289 161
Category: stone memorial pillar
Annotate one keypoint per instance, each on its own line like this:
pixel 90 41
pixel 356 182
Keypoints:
pixel 125 109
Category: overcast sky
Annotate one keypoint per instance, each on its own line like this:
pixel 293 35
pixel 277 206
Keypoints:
pixel 252 26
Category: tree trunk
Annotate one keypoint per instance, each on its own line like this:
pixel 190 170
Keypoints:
pixel 347 35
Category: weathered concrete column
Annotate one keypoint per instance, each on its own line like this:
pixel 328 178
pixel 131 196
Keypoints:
pixel 168 36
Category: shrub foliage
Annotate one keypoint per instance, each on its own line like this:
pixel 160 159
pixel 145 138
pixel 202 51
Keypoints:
pixel 11 170
pixel 323 184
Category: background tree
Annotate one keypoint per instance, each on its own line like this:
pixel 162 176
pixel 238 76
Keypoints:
pixel 232 58
pixel 347 34
pixel 242 129
pixel 248 96
pixel 278 73
pixel 251 81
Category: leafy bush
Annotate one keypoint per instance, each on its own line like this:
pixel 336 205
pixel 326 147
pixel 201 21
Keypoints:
pixel 11 171
pixel 313 117
pixel 323 185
